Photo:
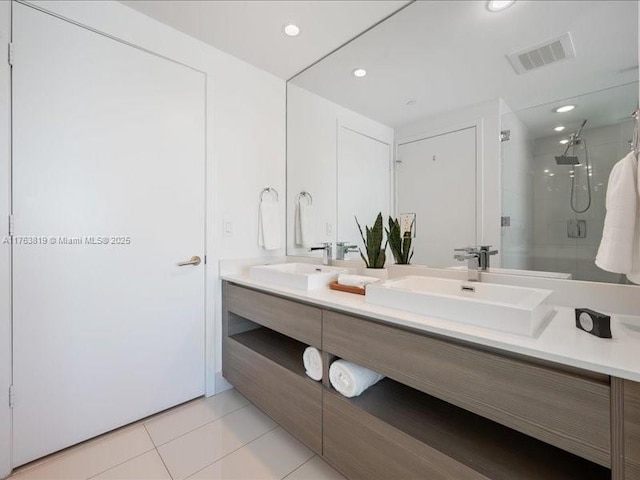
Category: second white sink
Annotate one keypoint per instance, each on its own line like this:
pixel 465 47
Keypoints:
pixel 301 276
pixel 510 309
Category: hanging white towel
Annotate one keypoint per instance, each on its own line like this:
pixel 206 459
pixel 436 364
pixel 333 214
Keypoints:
pixel 269 236
pixel 303 225
pixel 634 275
pixel 620 240
pixel 350 379
pixel 312 361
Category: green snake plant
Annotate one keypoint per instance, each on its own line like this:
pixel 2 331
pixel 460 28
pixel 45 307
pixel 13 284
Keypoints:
pixel 376 255
pixel 400 245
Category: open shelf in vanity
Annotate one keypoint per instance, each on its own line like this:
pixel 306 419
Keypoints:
pixel 416 423
pixel 280 349
pixel 266 366
pixel 419 432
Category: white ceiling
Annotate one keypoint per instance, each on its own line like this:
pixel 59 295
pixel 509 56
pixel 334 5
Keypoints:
pixel 605 107
pixel 447 55
pixel 252 30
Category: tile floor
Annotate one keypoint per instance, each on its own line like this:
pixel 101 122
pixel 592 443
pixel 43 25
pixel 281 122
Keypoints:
pixel 221 437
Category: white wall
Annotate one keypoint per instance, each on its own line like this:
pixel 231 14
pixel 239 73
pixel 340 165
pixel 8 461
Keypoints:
pixel 245 150
pixel 5 252
pixel 553 250
pixel 312 136
pixel 517 193
pixel 486 117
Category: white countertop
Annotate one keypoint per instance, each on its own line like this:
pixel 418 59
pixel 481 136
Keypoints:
pixel 560 341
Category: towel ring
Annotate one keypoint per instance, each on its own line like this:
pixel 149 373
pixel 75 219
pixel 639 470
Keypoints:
pixel 269 190
pixel 304 194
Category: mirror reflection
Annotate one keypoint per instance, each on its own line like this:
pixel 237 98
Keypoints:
pixel 452 114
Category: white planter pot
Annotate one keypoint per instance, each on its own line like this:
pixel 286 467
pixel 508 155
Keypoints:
pixel 381 273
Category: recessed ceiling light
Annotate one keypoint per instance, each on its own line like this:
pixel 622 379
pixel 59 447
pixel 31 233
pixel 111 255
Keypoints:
pixel 559 128
pixel 291 30
pixel 564 108
pixel 499 5
pixel 552 174
pixel 411 102
pixel 564 141
pixel 546 171
pixel 359 72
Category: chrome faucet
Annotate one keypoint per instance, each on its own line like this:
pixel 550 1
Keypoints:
pixel 472 255
pixel 328 253
pixel 342 248
pixel 478 260
pixel 485 257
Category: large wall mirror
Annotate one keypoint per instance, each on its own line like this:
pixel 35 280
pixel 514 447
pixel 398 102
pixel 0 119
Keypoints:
pixel 451 112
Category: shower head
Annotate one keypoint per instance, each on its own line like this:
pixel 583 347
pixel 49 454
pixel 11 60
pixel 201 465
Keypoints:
pixel 567 160
pixel 574 140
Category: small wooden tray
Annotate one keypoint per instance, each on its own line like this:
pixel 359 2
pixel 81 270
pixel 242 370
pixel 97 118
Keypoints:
pixel 345 288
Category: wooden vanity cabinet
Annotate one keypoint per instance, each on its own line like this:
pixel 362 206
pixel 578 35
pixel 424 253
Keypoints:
pixel 631 430
pixel 445 411
pixel 563 409
pixel 265 364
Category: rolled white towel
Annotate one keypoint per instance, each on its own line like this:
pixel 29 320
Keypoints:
pixel 355 280
pixel 312 363
pixel 350 379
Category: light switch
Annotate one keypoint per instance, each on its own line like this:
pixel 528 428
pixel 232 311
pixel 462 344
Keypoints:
pixel 408 224
pixel 227 229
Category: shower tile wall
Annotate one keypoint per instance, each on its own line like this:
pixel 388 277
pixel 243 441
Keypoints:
pixel 553 250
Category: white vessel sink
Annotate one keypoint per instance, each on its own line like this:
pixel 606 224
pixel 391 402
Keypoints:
pixel 301 276
pixel 510 309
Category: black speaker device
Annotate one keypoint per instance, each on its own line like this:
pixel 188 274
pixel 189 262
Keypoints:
pixel 595 323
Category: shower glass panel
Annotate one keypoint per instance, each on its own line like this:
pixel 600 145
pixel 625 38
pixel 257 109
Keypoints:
pixel 554 183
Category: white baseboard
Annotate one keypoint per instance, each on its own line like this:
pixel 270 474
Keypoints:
pixel 221 383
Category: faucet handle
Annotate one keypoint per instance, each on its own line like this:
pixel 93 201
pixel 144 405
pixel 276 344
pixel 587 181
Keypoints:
pixel 466 249
pixel 487 249
pixel 325 246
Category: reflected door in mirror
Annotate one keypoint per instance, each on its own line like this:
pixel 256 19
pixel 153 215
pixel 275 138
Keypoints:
pixel 364 181
pixel 436 179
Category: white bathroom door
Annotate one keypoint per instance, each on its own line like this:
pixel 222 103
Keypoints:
pixel 364 182
pixel 108 197
pixel 436 180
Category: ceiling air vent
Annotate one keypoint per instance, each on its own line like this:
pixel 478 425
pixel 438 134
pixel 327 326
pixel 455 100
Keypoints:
pixel 552 51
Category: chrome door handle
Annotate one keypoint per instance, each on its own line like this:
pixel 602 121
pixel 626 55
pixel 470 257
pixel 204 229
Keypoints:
pixel 195 260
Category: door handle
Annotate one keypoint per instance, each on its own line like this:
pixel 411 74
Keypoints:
pixel 195 260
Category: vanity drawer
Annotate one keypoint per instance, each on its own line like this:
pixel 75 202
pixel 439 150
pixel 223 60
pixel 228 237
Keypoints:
pixel 632 430
pixel 302 322
pixel 365 447
pixel 557 407
pixel 293 401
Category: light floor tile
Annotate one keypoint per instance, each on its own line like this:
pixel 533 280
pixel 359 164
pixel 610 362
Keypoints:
pixel 315 469
pixel 91 458
pixel 182 420
pixel 192 452
pixel 272 456
pixel 148 466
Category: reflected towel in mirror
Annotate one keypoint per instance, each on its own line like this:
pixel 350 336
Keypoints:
pixel 269 236
pixel 303 225
pixel 620 244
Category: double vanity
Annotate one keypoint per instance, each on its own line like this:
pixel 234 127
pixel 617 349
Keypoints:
pixel 483 381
